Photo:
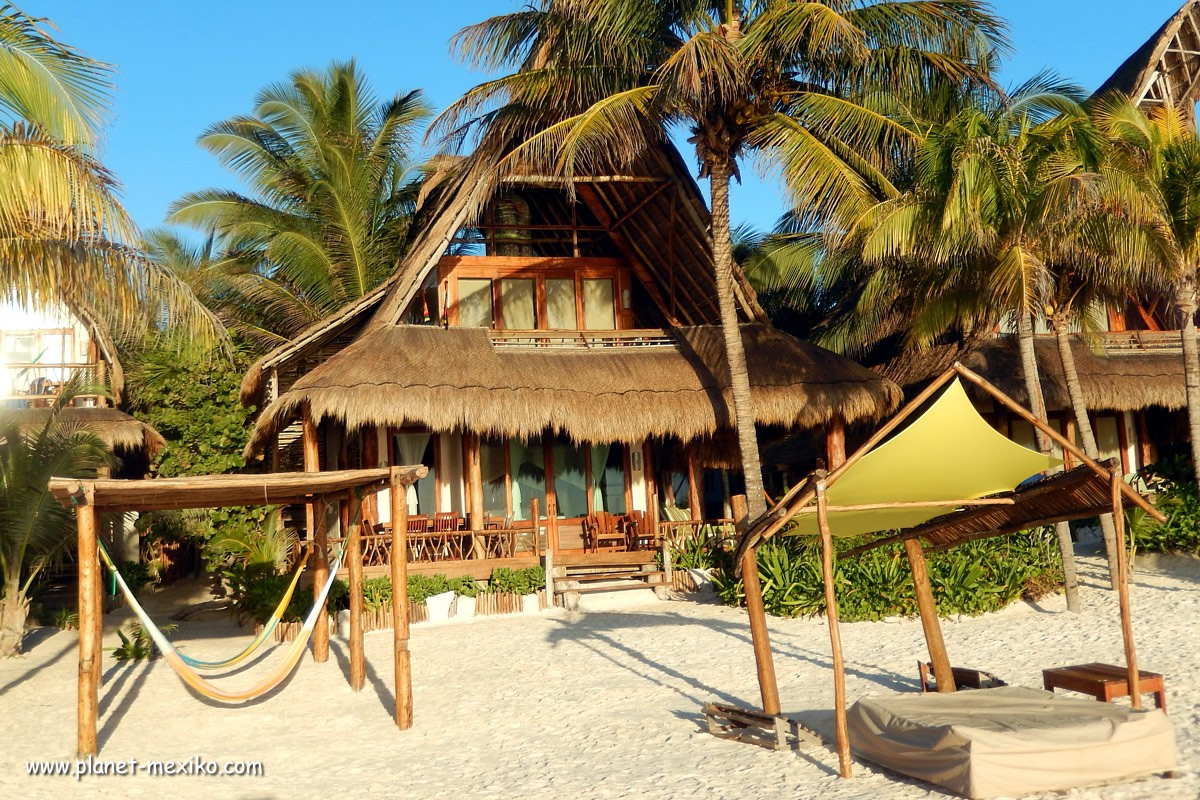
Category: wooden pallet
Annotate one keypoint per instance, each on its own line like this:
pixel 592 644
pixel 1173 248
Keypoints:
pixel 751 726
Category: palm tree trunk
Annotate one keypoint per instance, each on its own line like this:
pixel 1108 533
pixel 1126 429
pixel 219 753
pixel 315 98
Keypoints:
pixel 14 608
pixel 1037 404
pixel 735 352
pixel 1086 436
pixel 1185 298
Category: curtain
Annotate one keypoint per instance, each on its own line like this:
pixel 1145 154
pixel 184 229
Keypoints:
pixel 410 449
pixel 598 311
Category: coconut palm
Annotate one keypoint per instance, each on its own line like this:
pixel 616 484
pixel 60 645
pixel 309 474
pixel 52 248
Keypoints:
pixel 64 235
pixel 35 529
pixel 597 82
pixel 332 194
pixel 1160 154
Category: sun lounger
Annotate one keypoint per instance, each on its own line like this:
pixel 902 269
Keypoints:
pixel 1010 740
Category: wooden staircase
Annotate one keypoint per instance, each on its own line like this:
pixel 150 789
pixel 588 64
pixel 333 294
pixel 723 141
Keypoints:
pixel 597 578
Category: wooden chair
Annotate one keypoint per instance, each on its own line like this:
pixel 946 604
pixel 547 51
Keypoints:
pixel 964 678
pixel 445 524
pixel 638 536
pixel 603 532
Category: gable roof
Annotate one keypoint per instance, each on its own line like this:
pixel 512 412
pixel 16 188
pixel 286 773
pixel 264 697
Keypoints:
pixel 1166 68
pixel 653 209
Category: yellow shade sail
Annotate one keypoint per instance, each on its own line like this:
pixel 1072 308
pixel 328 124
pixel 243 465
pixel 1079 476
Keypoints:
pixel 949 453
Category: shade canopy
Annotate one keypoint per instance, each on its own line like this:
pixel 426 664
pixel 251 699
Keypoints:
pixel 949 453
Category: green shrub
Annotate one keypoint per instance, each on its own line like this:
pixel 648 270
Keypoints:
pixel 66 620
pixel 1177 498
pixel 136 574
pixel 422 587
pixel 464 586
pixel 136 644
pixel 974 578
pixel 522 581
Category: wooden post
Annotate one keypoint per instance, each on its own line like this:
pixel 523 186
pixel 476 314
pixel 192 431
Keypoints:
pixel 474 477
pixel 929 616
pixel 835 442
pixel 91 626
pixel 693 479
pixel 835 635
pixel 320 538
pixel 768 686
pixel 1135 693
pixel 404 705
pixel 358 663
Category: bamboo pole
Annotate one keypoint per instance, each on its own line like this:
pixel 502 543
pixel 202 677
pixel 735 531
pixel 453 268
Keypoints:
pixel 1062 441
pixel 403 663
pixel 90 627
pixel 474 480
pixel 930 623
pixel 835 635
pixel 767 684
pixel 984 501
pixel 358 664
pixel 1134 677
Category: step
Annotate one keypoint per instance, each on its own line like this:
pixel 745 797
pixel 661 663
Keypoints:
pixel 606 576
pixel 624 587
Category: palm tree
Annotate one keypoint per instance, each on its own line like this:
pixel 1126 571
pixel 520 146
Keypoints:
pixel 598 82
pixel 1159 153
pixel 332 195
pixel 64 236
pixel 35 529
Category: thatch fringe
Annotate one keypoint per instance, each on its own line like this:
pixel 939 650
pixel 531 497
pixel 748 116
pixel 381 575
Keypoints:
pixel 115 428
pixel 455 379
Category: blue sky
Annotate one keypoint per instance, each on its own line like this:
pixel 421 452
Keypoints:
pixel 184 65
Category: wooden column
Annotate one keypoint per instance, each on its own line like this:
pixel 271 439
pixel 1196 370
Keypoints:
pixel 404 706
pixel 835 443
pixel 929 616
pixel 358 663
pixel 767 684
pixel 835 635
pixel 474 475
pixel 317 532
pixel 651 481
pixel 91 625
pixel 1118 512
pixel 693 479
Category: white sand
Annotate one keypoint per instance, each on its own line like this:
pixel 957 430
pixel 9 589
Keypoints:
pixel 599 704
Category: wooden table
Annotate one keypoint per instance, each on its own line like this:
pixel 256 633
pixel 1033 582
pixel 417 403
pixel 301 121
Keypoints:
pixel 1103 682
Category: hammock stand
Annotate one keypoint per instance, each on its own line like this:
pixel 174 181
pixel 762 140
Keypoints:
pixel 316 490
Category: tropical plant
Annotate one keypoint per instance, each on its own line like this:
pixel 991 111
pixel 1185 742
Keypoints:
pixel 332 196
pixel 66 620
pixel 596 83
pixel 64 235
pixel 136 644
pixel 1159 153
pixel 35 529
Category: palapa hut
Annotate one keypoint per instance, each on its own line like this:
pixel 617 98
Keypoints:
pixel 539 345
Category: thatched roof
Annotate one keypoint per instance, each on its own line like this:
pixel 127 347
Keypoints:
pixel 1121 382
pixel 455 379
pixel 1163 69
pixel 116 429
pixel 656 219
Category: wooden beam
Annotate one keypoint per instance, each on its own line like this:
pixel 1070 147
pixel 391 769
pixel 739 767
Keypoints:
pixel 1131 664
pixel 91 626
pixel 835 442
pixel 983 501
pixel 638 206
pixel 693 479
pixel 835 636
pixel 764 662
pixel 403 663
pixel 473 467
pixel 358 663
pixel 319 535
pixel 930 623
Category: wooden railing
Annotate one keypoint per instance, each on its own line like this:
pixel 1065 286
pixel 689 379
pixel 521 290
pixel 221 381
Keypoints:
pixel 583 340
pixel 1140 342
pixel 42 380
pixel 434 546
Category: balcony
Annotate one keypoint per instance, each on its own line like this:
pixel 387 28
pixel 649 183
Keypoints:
pixel 36 384
pixel 582 340
pixel 1118 343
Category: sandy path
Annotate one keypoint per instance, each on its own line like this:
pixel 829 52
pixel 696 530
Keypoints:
pixel 601 704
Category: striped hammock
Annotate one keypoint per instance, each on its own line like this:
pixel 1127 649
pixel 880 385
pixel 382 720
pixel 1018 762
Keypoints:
pixel 199 682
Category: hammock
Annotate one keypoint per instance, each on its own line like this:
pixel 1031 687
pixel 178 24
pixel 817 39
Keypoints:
pixel 197 681
pixel 268 626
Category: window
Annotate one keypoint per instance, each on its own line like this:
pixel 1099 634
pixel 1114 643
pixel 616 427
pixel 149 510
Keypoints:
pixel 598 310
pixel 608 478
pixel 518 304
pixel 570 479
pixel 475 302
pixel 527 468
pixel 560 304
pixel 495 477
pixel 410 449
